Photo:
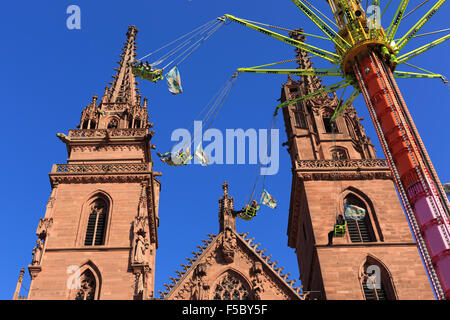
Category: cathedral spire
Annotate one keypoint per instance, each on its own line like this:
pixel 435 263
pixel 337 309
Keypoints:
pixel 124 87
pixel 309 83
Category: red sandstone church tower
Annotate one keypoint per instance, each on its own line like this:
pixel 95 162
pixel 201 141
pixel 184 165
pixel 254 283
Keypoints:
pixel 99 234
pixel 333 164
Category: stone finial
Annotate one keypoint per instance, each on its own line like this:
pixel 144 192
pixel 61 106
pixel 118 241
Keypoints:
pixel 145 103
pixel 132 32
pixel 94 100
pixel 226 206
pixel 298 35
pixel 225 190
pixel 19 285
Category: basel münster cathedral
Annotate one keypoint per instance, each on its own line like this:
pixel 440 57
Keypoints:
pixel 98 239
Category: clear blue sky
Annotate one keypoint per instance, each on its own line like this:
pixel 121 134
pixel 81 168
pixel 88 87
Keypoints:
pixel 50 73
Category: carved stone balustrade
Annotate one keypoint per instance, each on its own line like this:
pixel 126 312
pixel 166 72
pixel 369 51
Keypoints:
pixel 343 169
pixel 101 168
pixel 103 133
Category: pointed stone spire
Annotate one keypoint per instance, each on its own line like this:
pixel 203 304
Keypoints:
pixel 19 285
pixel 309 83
pixel 226 206
pixel 123 88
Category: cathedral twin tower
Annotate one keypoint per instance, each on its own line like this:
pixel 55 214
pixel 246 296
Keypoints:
pixel 98 239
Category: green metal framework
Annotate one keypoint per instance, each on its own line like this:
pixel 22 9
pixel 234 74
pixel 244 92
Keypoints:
pixel 357 36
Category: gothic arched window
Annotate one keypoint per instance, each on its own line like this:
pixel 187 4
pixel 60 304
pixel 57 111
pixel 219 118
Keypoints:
pixel 93 124
pixel 85 124
pixel 231 287
pixel 137 123
pixel 87 288
pixel 96 227
pixel 330 126
pixel 376 281
pixel 359 230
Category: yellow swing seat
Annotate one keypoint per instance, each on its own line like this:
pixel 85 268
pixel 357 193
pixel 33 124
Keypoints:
pixel 141 72
pixel 250 213
pixel 339 230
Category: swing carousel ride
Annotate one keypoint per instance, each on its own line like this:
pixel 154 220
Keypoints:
pixel 366 57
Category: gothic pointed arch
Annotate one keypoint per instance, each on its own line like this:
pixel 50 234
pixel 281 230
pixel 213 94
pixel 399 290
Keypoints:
pixel 95 219
pixel 231 285
pixel 376 280
pixel 367 229
pixel 89 285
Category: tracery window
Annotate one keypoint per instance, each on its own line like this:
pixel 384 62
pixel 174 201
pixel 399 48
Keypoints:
pixel 96 228
pixel 87 286
pixel 231 287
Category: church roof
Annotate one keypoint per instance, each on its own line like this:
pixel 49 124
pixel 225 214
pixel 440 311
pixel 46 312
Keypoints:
pixel 230 252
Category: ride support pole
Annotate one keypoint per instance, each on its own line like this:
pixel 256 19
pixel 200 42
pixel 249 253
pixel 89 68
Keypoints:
pixel 416 173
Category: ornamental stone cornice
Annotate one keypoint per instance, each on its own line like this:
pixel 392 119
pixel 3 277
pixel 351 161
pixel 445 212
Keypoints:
pixel 365 169
pixel 81 179
pixel 111 134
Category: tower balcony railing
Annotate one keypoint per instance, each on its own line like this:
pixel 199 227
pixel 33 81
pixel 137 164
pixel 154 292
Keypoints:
pixel 347 164
pixel 101 168
pixel 102 133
